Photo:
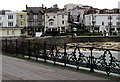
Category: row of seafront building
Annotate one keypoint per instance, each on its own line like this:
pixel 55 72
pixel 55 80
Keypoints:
pixel 42 19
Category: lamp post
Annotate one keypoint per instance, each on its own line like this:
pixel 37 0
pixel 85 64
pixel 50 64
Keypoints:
pixel 93 21
pixel 110 25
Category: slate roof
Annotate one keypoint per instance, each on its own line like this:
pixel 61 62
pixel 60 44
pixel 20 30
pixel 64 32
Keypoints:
pixel 35 10
pixel 52 10
pixel 61 13
pixel 2 12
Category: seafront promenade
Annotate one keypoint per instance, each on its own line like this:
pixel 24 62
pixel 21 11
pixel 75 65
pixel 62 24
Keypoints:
pixel 45 61
pixel 19 69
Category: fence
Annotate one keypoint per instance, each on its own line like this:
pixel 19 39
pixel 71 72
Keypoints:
pixel 89 57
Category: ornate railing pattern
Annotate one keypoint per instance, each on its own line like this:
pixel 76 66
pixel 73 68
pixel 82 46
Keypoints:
pixel 66 54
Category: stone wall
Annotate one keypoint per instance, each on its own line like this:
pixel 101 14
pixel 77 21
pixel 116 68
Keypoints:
pixel 62 40
pixel 96 39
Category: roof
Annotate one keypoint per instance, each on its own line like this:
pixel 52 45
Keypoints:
pixel 52 10
pixel 2 12
pixel 21 12
pixel 61 13
pixel 86 6
pixel 35 10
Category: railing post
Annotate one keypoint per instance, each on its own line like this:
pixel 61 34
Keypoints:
pixel 29 49
pixel 91 60
pixel 36 51
pixel 23 52
pixel 16 46
pixel 45 55
pixel 65 54
pixel 6 45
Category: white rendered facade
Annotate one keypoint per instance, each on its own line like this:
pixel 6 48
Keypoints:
pixel 77 11
pixel 56 21
pixel 8 19
pixel 1 20
pixel 8 32
pixel 102 21
pixel 71 6
pixel 8 24
pixel 51 21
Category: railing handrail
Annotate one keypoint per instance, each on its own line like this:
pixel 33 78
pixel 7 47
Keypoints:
pixel 54 54
pixel 68 45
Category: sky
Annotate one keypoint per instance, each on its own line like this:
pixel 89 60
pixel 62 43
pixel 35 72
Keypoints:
pixel 18 5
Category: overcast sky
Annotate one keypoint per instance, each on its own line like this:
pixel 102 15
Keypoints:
pixel 21 4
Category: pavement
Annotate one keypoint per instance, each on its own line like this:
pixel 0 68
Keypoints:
pixel 19 69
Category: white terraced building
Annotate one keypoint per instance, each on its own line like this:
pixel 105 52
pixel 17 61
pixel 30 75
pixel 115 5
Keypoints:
pixel 103 22
pixel 8 24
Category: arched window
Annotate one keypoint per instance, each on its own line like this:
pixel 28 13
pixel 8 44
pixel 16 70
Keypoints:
pixel 51 22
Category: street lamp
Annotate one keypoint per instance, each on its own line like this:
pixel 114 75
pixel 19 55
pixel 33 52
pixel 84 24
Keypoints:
pixel 110 24
pixel 93 23
pixel 93 20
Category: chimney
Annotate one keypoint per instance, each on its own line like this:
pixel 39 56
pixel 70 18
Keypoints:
pixel 3 12
pixel 26 6
pixel 55 6
pixel 42 6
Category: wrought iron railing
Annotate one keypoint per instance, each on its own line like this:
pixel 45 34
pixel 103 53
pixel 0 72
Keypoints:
pixel 89 57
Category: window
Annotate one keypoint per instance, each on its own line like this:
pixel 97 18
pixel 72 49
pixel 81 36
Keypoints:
pixel 118 18
pixel 53 16
pixel 89 18
pixel 12 32
pixel 39 24
pixel 117 23
pixel 102 23
pixel 93 18
pixel 63 16
pixel 35 16
pixel 58 28
pixel 21 22
pixel 54 29
pixel 10 16
pixel 112 29
pixel 0 18
pixel 62 22
pixel 30 17
pixel 0 24
pixel 118 29
pixel 7 32
pixel 21 16
pixel 89 23
pixel 49 29
pixel 10 23
pixel 51 23
pixel 109 17
pixel 109 23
